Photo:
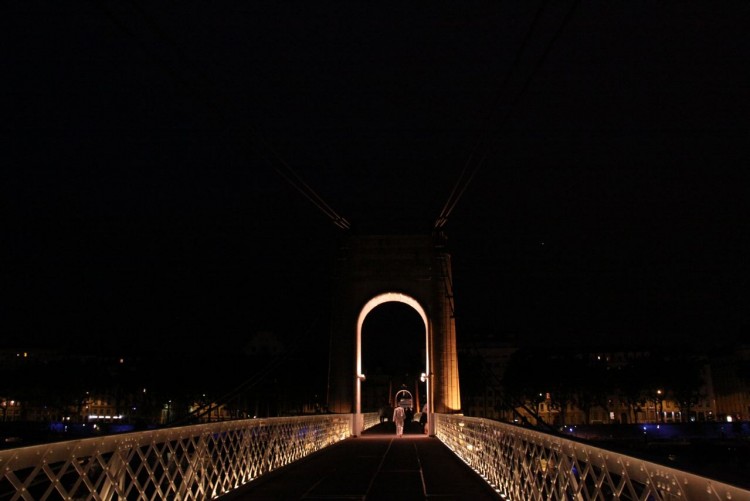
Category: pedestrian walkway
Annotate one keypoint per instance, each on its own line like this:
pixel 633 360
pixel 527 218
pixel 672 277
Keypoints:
pixel 375 466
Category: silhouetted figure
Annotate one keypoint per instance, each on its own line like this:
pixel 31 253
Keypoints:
pixel 423 419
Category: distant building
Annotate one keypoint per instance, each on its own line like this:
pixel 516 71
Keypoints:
pixel 483 365
pixel 10 410
pixel 731 382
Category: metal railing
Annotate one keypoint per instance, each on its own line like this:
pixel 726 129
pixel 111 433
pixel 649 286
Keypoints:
pixel 206 461
pixel 370 419
pixel 525 465
pixel 190 462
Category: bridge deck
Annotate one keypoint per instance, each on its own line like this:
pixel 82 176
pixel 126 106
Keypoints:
pixel 377 465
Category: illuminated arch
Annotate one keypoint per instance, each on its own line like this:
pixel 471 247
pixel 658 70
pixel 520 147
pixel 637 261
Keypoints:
pixel 389 297
pixel 399 392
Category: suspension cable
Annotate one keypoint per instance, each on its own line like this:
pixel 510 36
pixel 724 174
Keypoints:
pixel 442 219
pixel 274 159
pixel 465 179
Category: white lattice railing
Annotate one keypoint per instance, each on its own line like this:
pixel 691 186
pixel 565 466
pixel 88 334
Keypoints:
pixel 526 465
pixel 191 462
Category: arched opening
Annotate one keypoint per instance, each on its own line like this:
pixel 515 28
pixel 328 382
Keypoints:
pixel 393 354
pixel 366 310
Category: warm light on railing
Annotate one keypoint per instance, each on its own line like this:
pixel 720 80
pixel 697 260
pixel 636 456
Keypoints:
pixel 204 461
pixel 520 464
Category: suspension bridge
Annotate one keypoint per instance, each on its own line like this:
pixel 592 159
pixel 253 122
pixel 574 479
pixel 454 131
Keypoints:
pixel 348 453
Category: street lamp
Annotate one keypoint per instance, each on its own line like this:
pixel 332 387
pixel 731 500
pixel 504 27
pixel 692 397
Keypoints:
pixel 426 378
pixel 660 406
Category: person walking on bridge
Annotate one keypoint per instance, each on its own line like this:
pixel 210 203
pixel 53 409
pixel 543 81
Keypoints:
pixel 398 418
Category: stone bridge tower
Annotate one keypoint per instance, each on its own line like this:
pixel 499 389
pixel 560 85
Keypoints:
pixel 414 269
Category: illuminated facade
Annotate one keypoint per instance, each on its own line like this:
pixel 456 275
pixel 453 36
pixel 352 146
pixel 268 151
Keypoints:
pixel 731 379
pixel 10 409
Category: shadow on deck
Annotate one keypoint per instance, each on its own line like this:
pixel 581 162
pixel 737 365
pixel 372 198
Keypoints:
pixel 375 466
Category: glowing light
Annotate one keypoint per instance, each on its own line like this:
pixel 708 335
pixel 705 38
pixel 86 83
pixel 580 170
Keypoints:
pixel 388 297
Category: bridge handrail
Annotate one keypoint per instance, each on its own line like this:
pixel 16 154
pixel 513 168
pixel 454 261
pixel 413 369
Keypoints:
pixel 188 462
pixel 525 464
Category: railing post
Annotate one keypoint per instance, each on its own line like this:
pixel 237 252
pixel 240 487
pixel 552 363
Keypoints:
pixel 358 421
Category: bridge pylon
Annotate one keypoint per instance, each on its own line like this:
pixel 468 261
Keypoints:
pixel 375 269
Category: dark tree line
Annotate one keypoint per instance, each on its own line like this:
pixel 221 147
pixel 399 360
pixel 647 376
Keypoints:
pixel 589 380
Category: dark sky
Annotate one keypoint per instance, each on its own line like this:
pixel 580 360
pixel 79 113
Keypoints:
pixel 140 142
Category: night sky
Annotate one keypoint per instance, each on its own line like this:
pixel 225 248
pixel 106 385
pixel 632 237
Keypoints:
pixel 143 209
